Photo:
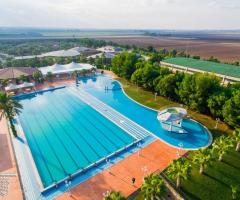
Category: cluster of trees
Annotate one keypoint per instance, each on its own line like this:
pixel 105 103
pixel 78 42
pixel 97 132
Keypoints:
pixel 35 47
pixel 100 61
pixel 201 92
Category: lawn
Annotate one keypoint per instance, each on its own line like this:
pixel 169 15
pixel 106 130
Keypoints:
pixel 215 183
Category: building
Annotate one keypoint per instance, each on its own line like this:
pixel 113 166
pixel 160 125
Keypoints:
pixel 12 73
pixel 228 73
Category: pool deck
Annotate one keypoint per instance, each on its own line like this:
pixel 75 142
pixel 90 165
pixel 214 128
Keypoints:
pixel 8 165
pixel 154 157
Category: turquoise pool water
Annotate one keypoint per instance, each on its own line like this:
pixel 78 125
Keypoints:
pixel 197 136
pixel 65 134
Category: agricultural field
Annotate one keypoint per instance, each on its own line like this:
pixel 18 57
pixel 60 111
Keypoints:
pixel 226 50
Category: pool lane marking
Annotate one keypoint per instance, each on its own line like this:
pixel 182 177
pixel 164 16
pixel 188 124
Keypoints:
pixel 81 137
pixel 75 143
pixel 96 139
pixel 79 91
pixel 50 145
pixel 39 149
pixel 111 119
pixel 60 140
pixel 91 112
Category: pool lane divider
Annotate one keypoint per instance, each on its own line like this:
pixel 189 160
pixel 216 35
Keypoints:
pixel 129 126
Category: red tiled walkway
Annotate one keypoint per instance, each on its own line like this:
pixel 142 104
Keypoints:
pixel 156 156
pixel 8 165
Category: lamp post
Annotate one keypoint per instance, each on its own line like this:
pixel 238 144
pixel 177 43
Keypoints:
pixel 144 170
pixel 155 96
pixel 106 194
pixel 217 121
pixel 180 144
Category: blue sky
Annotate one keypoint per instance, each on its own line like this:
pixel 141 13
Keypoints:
pixel 140 14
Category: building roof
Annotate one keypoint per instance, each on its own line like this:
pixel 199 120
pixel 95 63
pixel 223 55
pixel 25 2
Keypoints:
pixel 71 67
pixel 219 68
pixel 16 72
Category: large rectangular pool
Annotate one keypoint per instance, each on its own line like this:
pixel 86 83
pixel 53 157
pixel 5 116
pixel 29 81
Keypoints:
pixel 65 134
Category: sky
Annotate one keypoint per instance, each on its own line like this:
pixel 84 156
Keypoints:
pixel 121 14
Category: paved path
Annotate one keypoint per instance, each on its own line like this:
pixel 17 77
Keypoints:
pixel 156 156
pixel 8 170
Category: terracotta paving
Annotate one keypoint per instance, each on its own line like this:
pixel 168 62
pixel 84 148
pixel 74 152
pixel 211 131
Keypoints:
pixel 155 157
pixel 8 165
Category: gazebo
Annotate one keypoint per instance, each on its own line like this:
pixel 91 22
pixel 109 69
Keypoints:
pixel 171 119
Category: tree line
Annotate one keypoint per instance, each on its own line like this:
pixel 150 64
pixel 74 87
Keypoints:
pixel 200 92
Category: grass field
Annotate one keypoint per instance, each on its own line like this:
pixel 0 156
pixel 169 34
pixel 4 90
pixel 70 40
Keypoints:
pixel 224 69
pixel 216 183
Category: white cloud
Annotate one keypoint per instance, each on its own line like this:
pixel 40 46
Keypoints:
pixel 158 14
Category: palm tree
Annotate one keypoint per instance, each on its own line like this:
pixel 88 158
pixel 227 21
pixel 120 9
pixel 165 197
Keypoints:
pixel 153 187
pixel 202 158
pixel 236 138
pixel 9 108
pixel 222 146
pixel 114 196
pixel 235 190
pixel 179 169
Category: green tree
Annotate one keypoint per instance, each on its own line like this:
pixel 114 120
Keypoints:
pixel 114 196
pixel 37 76
pixel 236 138
pixel 153 187
pixel 167 86
pixel 145 76
pixel 124 63
pixel 178 170
pixel 216 103
pixel 195 90
pixel 231 110
pixel 202 158
pixel 221 146
pixel 9 108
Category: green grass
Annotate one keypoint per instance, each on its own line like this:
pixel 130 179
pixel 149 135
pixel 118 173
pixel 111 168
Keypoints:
pixel 224 69
pixel 216 183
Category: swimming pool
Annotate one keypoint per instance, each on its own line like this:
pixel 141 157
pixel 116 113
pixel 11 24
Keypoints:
pixel 198 136
pixel 66 135
pixel 67 131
